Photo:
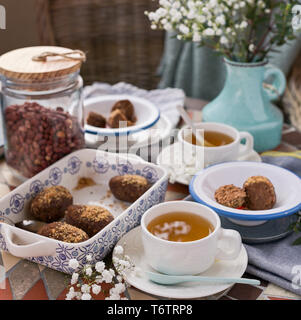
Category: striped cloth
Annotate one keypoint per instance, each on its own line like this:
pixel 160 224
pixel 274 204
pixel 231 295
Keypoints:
pixel 287 160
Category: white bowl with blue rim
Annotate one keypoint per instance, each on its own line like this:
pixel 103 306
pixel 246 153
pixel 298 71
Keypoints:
pixel 146 112
pixel 287 188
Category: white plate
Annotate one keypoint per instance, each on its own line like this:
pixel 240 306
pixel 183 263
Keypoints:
pixel 287 188
pixel 171 158
pixel 146 112
pixel 132 244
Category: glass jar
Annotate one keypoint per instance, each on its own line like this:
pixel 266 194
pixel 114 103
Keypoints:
pixel 43 120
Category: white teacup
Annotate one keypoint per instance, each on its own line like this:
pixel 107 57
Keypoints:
pixel 212 155
pixel 193 257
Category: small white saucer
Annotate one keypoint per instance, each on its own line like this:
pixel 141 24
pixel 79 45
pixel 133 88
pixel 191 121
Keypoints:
pixel 182 172
pixel 132 244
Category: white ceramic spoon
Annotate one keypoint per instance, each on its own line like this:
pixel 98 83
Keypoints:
pixel 167 279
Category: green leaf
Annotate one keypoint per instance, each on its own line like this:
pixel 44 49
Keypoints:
pixel 297 242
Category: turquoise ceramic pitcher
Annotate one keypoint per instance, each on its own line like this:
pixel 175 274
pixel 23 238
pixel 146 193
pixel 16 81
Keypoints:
pixel 246 104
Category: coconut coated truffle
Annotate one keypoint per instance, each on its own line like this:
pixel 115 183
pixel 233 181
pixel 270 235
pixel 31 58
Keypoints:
pixel 50 204
pixel 63 232
pixel 91 219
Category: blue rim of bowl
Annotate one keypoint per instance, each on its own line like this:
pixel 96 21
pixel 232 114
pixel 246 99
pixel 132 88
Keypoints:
pixel 126 132
pixel 239 216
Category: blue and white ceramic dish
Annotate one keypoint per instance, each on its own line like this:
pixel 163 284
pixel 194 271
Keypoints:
pixel 146 112
pixel 287 187
pixel 100 166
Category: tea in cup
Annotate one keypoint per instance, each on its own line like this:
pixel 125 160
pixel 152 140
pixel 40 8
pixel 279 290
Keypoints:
pixel 221 143
pixel 185 238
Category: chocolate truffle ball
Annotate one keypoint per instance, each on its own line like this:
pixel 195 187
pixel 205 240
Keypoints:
pixel 63 232
pixel 128 187
pixel 260 193
pixel 127 108
pixel 230 196
pixel 91 219
pixel 96 120
pixel 50 204
pixel 115 118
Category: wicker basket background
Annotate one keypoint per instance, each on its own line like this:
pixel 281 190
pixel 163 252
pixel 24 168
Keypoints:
pixel 115 34
pixel 291 100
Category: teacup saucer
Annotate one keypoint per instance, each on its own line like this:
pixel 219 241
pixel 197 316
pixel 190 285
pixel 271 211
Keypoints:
pixel 132 244
pixel 182 172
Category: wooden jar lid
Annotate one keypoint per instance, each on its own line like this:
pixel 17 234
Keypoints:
pixel 20 65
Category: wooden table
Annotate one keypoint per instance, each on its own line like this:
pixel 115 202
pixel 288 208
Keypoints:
pixel 27 280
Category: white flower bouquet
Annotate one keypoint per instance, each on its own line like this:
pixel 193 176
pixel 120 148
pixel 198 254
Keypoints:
pixel 240 30
pixel 88 283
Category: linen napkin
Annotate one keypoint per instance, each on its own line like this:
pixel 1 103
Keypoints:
pixel 165 99
pixel 279 262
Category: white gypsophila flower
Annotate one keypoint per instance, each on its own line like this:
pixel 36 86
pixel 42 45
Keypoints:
pixel 96 289
pixel 267 10
pixel 184 29
pixel 175 15
pixel 161 12
pixel 118 250
pixel 124 263
pixel 119 278
pixel 221 20
pixel 191 14
pixel 176 5
pixel 89 271
pixel 243 24
pixel 212 3
pixel 261 4
pixel 107 276
pixel 86 296
pixel 71 294
pixel 85 288
pixel 252 47
pixel 164 3
pixel 224 40
pixel 120 288
pixel 218 32
pixel 100 266
pixel 208 32
pixel 89 258
pixel 113 297
pixel 201 18
pixel 242 4
pixel 74 278
pixel 167 26
pixel 196 37
pixel 73 263
pixel 191 4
